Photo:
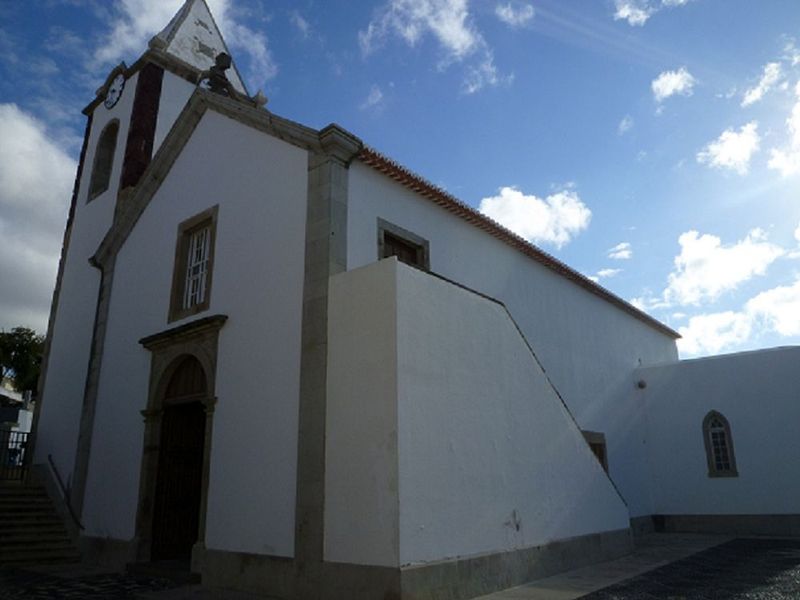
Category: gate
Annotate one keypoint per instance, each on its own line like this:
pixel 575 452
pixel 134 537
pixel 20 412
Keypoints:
pixel 13 450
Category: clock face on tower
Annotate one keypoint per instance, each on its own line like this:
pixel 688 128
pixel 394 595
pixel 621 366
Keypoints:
pixel 114 91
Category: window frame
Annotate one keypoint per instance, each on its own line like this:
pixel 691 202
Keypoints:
pixel 422 245
pixel 597 438
pixel 713 471
pixel 186 229
pixel 96 190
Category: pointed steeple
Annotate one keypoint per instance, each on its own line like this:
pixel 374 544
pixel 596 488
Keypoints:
pixel 193 36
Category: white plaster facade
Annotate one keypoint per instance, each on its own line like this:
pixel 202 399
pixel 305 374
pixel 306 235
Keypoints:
pixel 759 394
pixel 441 412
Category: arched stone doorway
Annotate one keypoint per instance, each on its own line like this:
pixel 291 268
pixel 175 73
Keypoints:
pixel 176 454
pixel 178 491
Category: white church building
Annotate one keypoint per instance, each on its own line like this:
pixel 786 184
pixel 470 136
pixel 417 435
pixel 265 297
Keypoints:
pixel 281 357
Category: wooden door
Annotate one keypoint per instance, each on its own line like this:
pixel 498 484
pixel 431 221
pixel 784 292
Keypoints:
pixel 176 511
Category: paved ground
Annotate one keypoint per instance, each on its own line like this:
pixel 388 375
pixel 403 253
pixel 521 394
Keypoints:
pixel 664 567
pixel 680 567
pixel 752 569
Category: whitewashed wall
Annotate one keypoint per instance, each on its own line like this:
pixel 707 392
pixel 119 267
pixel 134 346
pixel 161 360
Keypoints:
pixel 485 445
pixel 443 433
pixel 260 184
pixel 759 394
pixel 588 347
pixel 72 331
pixel 361 517
pixel 175 93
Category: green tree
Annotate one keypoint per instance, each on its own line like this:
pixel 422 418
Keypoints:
pixel 21 357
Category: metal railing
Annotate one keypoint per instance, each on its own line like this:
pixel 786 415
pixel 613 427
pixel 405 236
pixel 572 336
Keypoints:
pixel 13 450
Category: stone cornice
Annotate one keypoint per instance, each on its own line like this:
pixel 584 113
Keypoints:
pixel 183 332
pixel 340 143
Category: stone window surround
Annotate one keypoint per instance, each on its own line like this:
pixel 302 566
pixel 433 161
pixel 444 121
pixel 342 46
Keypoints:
pixel 168 348
pixel 207 218
pixel 408 236
pixel 712 468
pixel 102 148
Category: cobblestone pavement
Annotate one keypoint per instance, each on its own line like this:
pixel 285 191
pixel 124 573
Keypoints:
pixel 742 569
pixel 19 584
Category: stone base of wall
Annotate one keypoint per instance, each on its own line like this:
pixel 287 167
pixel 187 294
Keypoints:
pixel 769 525
pixel 257 573
pixel 360 582
pixel 107 552
pixel 445 580
pixel 475 576
pixel 641 526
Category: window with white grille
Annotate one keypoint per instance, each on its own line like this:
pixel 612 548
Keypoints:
pixel 197 267
pixel 194 265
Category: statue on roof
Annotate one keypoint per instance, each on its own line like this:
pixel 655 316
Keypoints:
pixel 216 77
pixel 217 81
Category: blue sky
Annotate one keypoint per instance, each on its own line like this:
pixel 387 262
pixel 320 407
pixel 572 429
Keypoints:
pixel 651 144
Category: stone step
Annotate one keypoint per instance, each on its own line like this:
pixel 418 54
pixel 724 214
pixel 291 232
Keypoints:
pixel 37 553
pixel 27 518
pixel 17 488
pixel 29 538
pixel 31 530
pixel 42 559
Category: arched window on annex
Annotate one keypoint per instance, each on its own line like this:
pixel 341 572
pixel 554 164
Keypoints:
pixel 719 446
pixel 103 160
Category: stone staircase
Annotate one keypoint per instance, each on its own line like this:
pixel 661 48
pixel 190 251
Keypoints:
pixel 31 531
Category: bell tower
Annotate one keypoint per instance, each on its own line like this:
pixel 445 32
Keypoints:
pixel 141 102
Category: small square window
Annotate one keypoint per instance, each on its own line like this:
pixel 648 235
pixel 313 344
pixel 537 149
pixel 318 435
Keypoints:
pixel 194 261
pixel 406 246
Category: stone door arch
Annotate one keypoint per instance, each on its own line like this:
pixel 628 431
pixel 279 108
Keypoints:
pixel 177 442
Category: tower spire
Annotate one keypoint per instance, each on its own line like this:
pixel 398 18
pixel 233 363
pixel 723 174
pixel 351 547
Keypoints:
pixel 193 36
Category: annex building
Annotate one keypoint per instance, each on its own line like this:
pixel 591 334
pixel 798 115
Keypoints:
pixel 281 357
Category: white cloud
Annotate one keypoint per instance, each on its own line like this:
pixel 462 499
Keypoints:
pixel 300 23
pixel 705 269
pixel 797 233
pixel 775 310
pixel 374 98
pixel 710 333
pixel 449 23
pixel 669 83
pixel 483 73
pixel 625 125
pixel 136 21
pixel 637 12
pixel 447 20
pixel 621 251
pixel 791 53
pixel 606 273
pixel 554 220
pixel 778 308
pixel 515 14
pixel 770 76
pixel 787 160
pixel 732 150
pixel 32 216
